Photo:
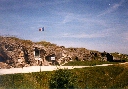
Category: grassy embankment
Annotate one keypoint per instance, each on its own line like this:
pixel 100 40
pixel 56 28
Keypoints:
pixel 89 63
pixel 115 76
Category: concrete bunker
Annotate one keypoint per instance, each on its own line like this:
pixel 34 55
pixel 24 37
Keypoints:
pixel 51 59
pixel 39 55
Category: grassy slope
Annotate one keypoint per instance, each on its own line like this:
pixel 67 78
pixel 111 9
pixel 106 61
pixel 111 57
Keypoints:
pixel 88 63
pixel 93 77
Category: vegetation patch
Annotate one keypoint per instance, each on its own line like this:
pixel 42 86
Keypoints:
pixel 115 77
pixel 89 63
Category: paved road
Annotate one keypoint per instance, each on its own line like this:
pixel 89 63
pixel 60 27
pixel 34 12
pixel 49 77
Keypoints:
pixel 42 68
pixel 35 69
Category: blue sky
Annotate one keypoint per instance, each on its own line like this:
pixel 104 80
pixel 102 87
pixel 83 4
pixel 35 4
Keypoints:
pixel 100 25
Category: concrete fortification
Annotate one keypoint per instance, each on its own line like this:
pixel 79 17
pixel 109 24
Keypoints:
pixel 15 52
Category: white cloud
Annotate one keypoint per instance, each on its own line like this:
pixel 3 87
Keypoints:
pixel 99 34
pixel 84 19
pixel 84 35
pixel 112 9
pixel 69 17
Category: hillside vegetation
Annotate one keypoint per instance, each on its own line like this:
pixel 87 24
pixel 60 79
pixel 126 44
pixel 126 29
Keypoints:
pixel 89 63
pixel 115 76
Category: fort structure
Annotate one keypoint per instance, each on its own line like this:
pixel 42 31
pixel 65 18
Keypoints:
pixel 15 52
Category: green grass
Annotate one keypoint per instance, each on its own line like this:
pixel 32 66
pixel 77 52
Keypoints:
pixel 102 77
pixel 88 63
pixel 115 76
pixel 37 80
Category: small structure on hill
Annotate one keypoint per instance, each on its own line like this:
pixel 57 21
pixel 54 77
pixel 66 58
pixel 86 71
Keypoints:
pixel 109 57
pixel 51 59
pixel 39 54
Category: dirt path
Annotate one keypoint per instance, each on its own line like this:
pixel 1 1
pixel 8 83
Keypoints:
pixel 42 68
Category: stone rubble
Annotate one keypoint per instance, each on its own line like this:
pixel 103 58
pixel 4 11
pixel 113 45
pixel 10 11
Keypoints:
pixel 15 52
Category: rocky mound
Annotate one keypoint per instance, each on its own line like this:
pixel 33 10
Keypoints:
pixel 17 52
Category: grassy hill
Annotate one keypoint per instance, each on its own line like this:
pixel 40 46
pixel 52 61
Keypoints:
pixel 115 76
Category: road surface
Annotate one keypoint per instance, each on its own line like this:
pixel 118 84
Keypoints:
pixel 42 68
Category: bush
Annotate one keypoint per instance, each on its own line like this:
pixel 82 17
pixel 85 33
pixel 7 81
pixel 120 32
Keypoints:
pixel 62 78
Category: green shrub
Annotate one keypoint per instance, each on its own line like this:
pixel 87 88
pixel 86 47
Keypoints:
pixel 62 78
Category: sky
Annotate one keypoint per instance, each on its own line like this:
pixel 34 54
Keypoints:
pixel 100 25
